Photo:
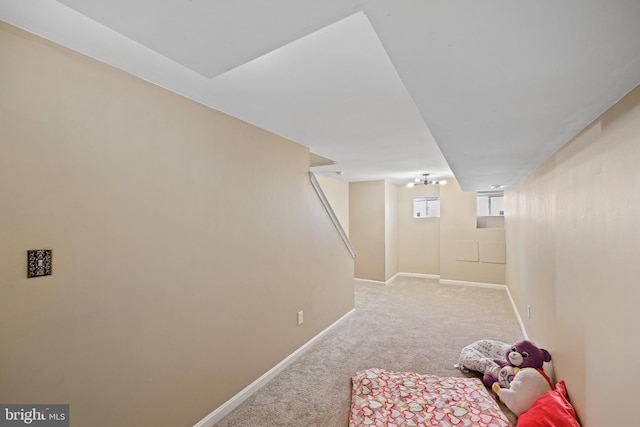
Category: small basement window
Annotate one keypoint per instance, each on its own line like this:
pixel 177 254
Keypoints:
pixel 491 204
pixel 490 209
pixel 426 207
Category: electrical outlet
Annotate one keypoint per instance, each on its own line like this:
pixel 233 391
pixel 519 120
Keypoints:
pixel 300 317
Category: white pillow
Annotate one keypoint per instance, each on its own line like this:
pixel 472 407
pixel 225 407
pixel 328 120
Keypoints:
pixel 479 355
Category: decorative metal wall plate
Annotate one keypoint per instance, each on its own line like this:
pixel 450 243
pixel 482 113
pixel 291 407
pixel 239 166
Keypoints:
pixel 38 262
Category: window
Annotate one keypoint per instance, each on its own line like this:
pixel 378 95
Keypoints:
pixel 426 207
pixel 490 210
pixel 490 204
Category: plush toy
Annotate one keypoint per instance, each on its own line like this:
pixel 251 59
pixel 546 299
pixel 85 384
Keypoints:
pixel 505 376
pixel 480 356
pixel 527 386
pixel 529 382
pixel 521 354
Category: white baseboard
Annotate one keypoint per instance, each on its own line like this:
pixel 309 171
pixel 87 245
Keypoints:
pixel 494 286
pixel 392 278
pixel 476 284
pixel 395 276
pixel 377 282
pixel 420 275
pixel 515 310
pixel 244 394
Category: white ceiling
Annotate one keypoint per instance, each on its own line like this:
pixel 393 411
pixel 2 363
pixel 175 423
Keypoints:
pixel 483 90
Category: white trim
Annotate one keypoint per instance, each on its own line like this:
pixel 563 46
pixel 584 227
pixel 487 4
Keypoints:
pixel 493 286
pixel 515 310
pixel 392 278
pixel 399 274
pixel 420 275
pixel 476 284
pixel 377 282
pixel 244 394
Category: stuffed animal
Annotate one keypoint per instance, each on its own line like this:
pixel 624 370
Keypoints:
pixel 530 382
pixel 527 386
pixel 496 376
pixel 505 376
pixel 521 354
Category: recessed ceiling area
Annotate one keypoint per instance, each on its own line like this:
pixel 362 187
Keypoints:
pixel 483 91
pixel 336 90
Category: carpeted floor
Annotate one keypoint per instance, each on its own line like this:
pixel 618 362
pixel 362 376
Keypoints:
pixel 413 325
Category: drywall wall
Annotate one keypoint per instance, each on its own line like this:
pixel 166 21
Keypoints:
pixel 389 240
pixel 418 238
pixel 337 193
pixel 367 228
pixel 184 244
pixel 459 233
pixel 373 221
pixel 391 230
pixel 573 242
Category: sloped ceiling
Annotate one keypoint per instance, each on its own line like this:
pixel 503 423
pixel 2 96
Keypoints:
pixel 483 90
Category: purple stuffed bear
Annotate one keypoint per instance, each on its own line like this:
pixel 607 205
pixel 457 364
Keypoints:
pixel 522 354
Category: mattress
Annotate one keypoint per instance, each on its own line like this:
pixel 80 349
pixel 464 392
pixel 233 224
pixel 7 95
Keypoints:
pixel 393 399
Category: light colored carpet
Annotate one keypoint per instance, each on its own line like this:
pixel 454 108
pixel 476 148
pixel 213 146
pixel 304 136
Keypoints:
pixel 413 325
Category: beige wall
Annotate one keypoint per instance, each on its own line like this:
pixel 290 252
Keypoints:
pixel 573 239
pixel 184 243
pixel 418 238
pixel 337 193
pixel 391 229
pixel 373 209
pixel 367 228
pixel 459 237
pixel 389 240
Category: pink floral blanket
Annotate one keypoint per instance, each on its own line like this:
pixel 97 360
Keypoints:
pixel 393 399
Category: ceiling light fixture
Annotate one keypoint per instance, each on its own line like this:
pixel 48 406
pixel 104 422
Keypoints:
pixel 424 181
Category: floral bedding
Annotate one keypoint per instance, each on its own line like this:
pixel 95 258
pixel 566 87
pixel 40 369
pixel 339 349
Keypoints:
pixel 393 399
